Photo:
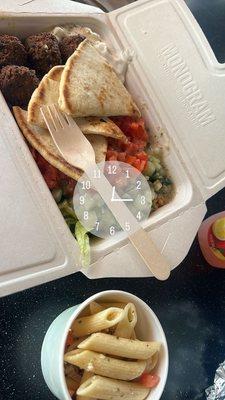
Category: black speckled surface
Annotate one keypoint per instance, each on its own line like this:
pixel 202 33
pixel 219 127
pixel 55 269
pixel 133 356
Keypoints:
pixel 190 305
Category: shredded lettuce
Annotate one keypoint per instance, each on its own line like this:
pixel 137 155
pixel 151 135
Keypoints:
pixel 67 210
pixel 84 243
pixel 77 230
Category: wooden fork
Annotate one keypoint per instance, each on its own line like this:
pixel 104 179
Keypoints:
pixel 77 151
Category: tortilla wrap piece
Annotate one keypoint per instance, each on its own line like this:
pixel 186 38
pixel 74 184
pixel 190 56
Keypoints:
pixel 47 93
pixel 89 86
pixel 40 139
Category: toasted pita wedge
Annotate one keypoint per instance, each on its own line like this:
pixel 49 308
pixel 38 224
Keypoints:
pixel 48 93
pixel 63 31
pixel 89 86
pixel 55 73
pixel 41 140
pixel 100 126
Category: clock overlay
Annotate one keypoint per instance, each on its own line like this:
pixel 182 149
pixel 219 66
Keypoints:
pixel 127 182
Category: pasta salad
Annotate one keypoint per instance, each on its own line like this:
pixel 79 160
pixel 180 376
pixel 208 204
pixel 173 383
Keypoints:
pixel 103 357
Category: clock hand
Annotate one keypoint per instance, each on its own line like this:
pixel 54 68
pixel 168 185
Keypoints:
pixel 118 198
pixel 124 200
pixel 113 193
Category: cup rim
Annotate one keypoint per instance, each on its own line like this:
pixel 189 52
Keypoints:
pixel 77 311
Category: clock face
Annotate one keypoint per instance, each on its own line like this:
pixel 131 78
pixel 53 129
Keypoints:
pixel 127 182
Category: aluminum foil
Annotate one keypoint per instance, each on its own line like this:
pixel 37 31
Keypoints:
pixel 217 391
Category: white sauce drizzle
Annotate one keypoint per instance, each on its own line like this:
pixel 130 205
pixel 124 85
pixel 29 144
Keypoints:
pixel 119 60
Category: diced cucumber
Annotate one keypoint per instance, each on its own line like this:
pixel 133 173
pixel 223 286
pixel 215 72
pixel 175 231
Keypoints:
pixel 150 168
pixel 157 185
pixel 166 181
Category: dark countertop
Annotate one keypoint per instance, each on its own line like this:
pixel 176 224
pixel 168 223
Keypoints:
pixel 190 305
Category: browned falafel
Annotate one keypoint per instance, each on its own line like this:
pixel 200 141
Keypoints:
pixel 69 44
pixel 43 52
pixel 17 84
pixel 12 51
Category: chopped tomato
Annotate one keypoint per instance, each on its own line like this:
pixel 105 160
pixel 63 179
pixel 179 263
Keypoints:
pixel 49 173
pixel 131 127
pixel 51 177
pixel 71 392
pixel 130 159
pixel 67 185
pixel 149 380
pixel 133 150
pixel 112 153
pixel 142 156
pixel 54 178
pixel 70 339
pixel 139 164
pixel 121 156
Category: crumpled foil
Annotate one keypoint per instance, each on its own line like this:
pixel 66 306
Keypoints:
pixel 217 391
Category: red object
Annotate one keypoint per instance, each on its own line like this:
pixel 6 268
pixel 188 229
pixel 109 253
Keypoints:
pixel 71 392
pixel 132 151
pixel 70 339
pixel 213 249
pixel 54 178
pixel 214 242
pixel 132 128
pixel 149 380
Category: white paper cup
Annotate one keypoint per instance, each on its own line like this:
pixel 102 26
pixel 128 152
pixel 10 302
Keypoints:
pixel 148 328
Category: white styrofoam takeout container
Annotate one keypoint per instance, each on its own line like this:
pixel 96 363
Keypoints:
pixel 179 85
pixel 148 328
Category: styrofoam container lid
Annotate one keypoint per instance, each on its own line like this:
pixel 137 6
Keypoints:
pixel 185 78
pixel 177 74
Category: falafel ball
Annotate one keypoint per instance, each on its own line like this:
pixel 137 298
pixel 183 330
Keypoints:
pixel 17 84
pixel 69 44
pixel 12 51
pixel 43 52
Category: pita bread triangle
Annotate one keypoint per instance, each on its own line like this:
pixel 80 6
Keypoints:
pixel 47 93
pixel 40 139
pixel 89 86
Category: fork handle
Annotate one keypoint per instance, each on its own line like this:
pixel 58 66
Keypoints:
pixel 140 239
pixel 149 253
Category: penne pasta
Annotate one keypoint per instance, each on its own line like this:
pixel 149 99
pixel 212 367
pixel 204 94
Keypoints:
pixel 95 308
pixel 133 335
pixel 85 312
pixel 152 362
pixel 116 346
pixel 105 366
pixel 110 389
pixel 85 377
pixel 108 305
pixel 127 324
pixel 105 319
pixel 74 346
pixel 109 355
